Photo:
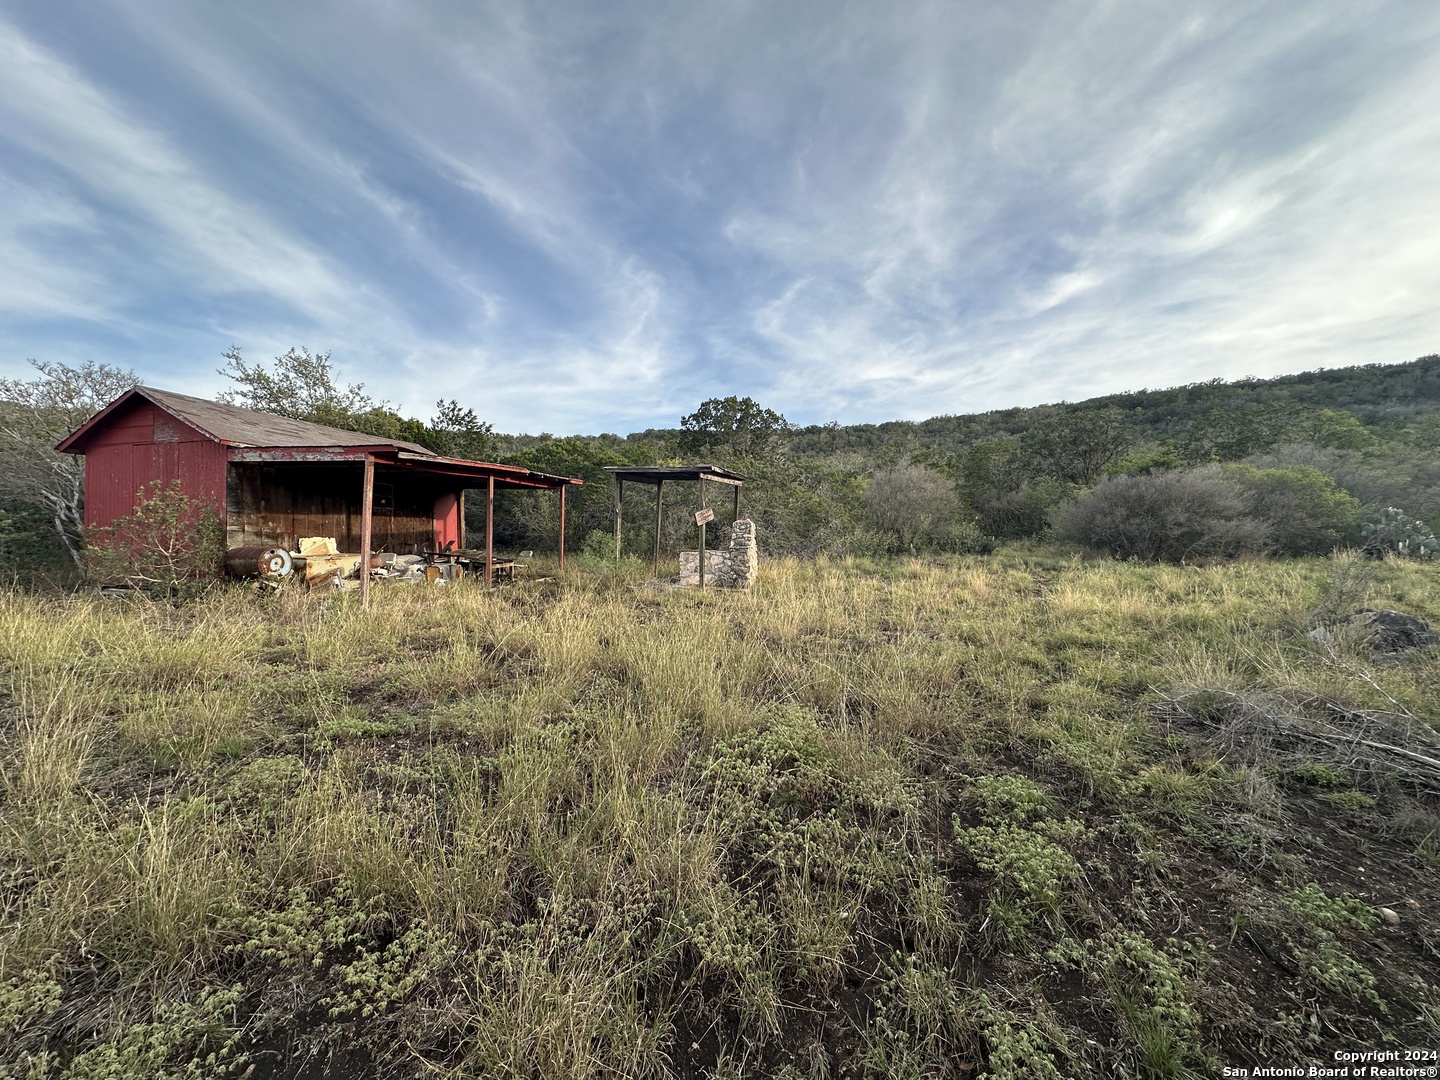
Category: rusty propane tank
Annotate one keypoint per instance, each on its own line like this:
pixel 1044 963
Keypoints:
pixel 266 562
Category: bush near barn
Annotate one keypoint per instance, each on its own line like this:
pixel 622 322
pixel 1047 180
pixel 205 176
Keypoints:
pixel 171 543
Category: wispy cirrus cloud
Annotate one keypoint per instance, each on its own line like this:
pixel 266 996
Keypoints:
pixel 135 182
pixel 588 219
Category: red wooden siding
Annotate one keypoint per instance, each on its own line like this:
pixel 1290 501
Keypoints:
pixel 143 445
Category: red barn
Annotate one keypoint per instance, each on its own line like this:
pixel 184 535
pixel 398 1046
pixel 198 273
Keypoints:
pixel 272 480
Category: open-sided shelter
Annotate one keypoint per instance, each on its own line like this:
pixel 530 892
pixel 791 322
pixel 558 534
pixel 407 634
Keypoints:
pixel 272 480
pixel 655 476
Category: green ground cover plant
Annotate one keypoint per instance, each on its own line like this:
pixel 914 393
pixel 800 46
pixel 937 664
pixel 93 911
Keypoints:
pixel 958 816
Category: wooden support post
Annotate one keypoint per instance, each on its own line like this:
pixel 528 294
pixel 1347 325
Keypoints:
pixel 367 513
pixel 619 501
pixel 460 509
pixel 737 502
pixel 702 533
pixel 659 499
pixel 490 533
pixel 562 527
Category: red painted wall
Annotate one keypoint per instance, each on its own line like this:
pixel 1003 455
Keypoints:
pixel 447 520
pixel 144 444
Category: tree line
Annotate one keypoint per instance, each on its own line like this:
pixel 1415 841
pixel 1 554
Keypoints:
pixel 1290 465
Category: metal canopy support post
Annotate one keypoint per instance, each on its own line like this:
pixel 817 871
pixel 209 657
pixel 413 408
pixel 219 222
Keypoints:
pixel 702 533
pixel 490 532
pixel 562 530
pixel 367 513
pixel 619 500
pixel 659 500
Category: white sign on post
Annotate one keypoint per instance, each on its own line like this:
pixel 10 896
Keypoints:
pixel 702 516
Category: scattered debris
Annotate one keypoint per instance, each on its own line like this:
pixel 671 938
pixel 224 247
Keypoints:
pixel 321 564
pixel 324 563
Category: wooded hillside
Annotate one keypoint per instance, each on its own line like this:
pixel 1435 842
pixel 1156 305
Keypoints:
pixel 1371 430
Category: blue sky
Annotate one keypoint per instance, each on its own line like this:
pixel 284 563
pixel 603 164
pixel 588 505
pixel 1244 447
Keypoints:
pixel 581 217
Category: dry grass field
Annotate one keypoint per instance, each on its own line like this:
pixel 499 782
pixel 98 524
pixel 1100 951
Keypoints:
pixel 1020 815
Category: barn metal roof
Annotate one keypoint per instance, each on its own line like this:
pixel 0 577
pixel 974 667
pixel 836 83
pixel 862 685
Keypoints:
pixel 264 437
pixel 236 426
pixel 250 427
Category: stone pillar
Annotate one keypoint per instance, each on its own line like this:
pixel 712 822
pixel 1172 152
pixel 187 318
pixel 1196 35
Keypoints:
pixel 732 567
pixel 744 555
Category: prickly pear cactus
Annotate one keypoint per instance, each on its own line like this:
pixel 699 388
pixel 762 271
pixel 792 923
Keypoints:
pixel 1396 532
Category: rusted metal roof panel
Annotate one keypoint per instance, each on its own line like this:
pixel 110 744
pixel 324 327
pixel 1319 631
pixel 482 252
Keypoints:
pixel 505 475
pixel 248 427
pixel 313 454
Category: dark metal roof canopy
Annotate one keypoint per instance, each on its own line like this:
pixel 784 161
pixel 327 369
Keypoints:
pixel 655 476
pixel 505 476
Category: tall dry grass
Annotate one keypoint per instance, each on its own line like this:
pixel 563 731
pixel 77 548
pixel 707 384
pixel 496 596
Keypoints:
pixel 590 785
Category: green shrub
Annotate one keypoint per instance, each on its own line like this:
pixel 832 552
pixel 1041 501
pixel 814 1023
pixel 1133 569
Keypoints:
pixel 171 543
pixel 912 504
pixel 1020 511
pixel 1210 511
pixel 1302 511
pixel 1167 516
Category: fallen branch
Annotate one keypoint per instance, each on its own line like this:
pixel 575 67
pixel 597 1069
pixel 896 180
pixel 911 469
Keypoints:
pixel 1259 724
